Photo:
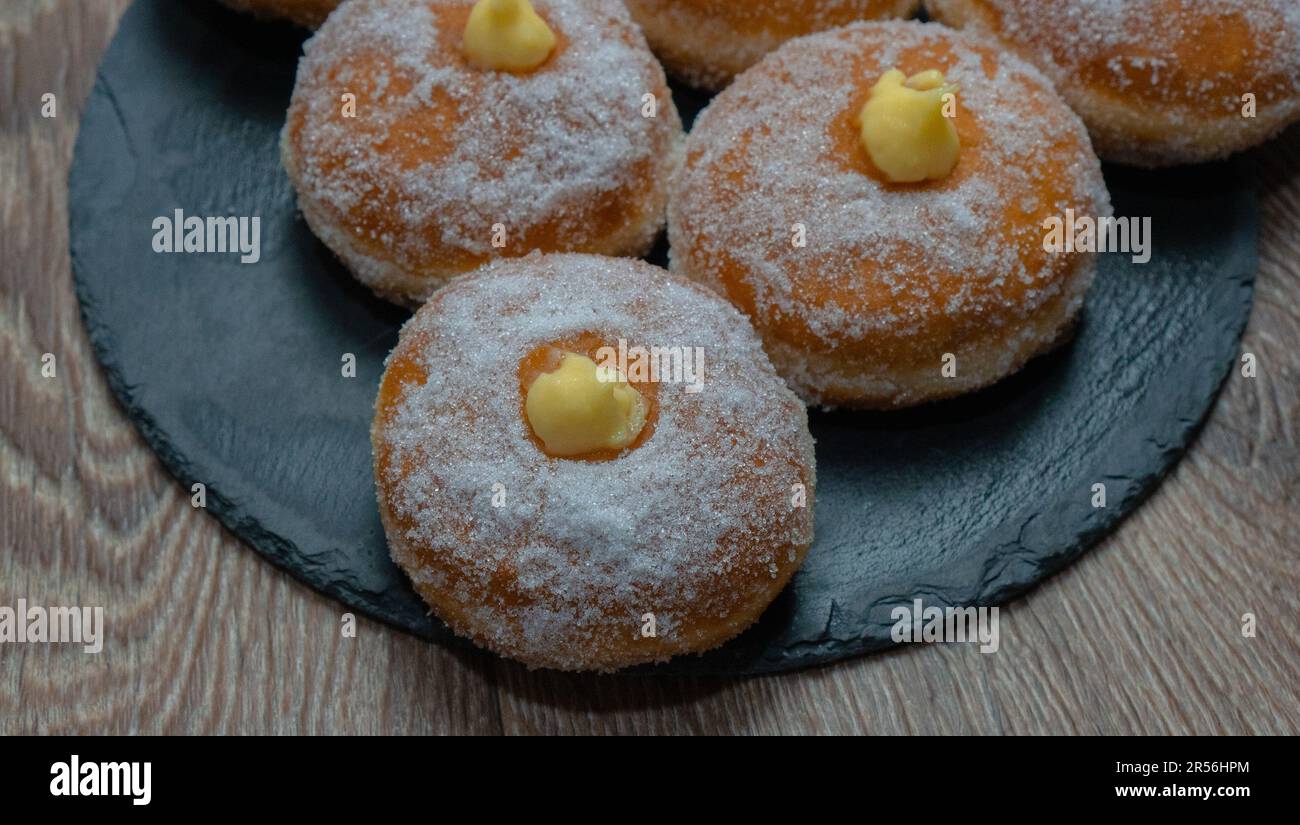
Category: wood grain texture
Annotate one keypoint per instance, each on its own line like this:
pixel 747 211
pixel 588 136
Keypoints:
pixel 1142 636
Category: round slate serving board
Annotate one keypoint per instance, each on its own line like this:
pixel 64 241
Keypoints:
pixel 233 371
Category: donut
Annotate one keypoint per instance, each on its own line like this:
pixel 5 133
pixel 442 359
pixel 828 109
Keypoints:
pixel 1158 82
pixel 670 544
pixel 447 165
pixel 306 13
pixel 869 292
pixel 708 42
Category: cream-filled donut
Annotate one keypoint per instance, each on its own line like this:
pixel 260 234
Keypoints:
pixel 880 275
pixel 561 500
pixel 415 161
pixel 1159 82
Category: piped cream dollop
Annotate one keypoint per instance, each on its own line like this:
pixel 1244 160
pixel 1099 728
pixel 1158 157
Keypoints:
pixel 507 35
pixel 904 128
pixel 581 408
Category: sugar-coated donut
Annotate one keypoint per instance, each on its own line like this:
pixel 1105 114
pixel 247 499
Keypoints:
pixel 566 563
pixel 446 166
pixel 863 290
pixel 308 13
pixel 1159 82
pixel 708 42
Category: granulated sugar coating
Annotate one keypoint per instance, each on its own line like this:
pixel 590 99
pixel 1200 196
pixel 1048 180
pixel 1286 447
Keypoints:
pixel 443 160
pixel 889 278
pixel 708 42
pixel 701 525
pixel 1159 82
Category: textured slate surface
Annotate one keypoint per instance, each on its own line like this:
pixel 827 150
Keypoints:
pixel 232 372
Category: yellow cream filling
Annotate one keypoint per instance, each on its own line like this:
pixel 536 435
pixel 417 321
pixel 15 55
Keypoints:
pixel 581 408
pixel 507 35
pixel 904 128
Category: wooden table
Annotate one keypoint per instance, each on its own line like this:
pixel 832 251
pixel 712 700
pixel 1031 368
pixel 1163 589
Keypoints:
pixel 1143 635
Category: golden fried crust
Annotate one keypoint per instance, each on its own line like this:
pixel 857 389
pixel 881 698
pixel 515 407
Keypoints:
pixel 698 524
pixel 307 13
pixel 446 166
pixel 891 277
pixel 708 42
pixel 1158 82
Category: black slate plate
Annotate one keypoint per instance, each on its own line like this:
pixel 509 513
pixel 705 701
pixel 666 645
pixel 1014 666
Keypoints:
pixel 232 372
